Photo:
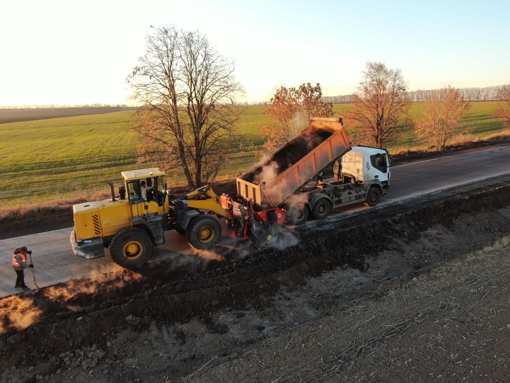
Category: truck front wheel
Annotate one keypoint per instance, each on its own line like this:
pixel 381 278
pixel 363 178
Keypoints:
pixel 373 196
pixel 321 209
pixel 203 232
pixel 131 248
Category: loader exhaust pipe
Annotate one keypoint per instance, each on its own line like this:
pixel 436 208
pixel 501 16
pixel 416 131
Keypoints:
pixel 112 190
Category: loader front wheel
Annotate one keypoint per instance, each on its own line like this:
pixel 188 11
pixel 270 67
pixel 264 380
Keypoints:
pixel 131 248
pixel 203 232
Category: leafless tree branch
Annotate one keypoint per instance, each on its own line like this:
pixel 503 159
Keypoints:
pixel 187 93
pixel 379 104
pixel 441 116
pixel 290 110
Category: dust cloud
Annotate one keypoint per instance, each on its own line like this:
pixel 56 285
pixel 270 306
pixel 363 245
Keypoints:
pixel 297 201
pixel 268 172
pixel 18 312
pixel 286 239
pixel 207 254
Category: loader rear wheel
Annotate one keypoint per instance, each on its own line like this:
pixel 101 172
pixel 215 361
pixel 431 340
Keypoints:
pixel 131 248
pixel 203 232
pixel 373 196
pixel 297 215
pixel 321 209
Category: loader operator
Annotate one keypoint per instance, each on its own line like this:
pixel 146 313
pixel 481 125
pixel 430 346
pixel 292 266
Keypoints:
pixel 239 212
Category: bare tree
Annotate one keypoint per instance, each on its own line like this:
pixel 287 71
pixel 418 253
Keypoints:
pixel 441 116
pixel 290 110
pixel 187 91
pixel 503 108
pixel 379 104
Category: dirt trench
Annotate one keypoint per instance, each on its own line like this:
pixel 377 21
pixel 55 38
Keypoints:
pixel 177 319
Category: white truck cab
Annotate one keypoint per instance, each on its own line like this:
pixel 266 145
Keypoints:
pixel 365 164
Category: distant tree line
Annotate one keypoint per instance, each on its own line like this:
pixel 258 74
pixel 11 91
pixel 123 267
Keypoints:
pixel 345 99
pixel 58 106
pixel 489 93
pixel 31 114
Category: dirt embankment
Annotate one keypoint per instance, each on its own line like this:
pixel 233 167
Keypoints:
pixel 362 300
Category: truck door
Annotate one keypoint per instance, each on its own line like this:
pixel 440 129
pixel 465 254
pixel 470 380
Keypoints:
pixel 352 165
pixel 381 162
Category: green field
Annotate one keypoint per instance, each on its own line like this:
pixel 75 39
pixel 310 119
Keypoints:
pixel 61 158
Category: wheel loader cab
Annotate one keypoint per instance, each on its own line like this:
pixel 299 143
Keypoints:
pixel 155 188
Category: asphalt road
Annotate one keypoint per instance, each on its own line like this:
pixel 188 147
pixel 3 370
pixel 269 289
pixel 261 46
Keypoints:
pixel 55 262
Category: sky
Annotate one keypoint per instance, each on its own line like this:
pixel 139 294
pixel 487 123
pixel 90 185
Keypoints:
pixel 75 52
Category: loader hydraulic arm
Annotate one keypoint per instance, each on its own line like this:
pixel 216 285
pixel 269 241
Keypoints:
pixel 205 199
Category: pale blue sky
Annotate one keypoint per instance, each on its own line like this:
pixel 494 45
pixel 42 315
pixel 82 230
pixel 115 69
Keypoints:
pixel 80 52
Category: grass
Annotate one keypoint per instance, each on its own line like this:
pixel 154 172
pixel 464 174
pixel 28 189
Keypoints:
pixel 61 157
pixel 64 158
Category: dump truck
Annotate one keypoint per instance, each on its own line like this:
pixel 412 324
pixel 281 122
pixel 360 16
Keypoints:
pixel 292 178
pixel 133 222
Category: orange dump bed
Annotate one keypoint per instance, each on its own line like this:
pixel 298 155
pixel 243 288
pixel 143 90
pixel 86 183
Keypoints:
pixel 274 179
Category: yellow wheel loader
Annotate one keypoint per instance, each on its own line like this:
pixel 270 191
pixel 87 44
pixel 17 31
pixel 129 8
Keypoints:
pixel 135 221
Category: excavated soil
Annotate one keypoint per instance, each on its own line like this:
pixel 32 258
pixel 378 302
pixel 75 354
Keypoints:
pixel 415 291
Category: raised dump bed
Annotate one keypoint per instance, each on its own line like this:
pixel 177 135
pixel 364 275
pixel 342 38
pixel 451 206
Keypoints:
pixel 277 177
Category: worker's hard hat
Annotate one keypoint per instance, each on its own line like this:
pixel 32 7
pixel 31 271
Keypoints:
pixel 20 249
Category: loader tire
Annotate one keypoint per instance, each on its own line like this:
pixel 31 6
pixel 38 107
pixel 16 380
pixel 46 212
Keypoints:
pixel 297 215
pixel 373 196
pixel 321 209
pixel 203 232
pixel 131 248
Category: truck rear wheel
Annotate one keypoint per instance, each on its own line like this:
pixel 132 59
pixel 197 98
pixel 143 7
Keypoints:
pixel 321 209
pixel 131 248
pixel 373 196
pixel 297 215
pixel 203 232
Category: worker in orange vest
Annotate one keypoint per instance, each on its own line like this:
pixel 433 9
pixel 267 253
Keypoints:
pixel 19 263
